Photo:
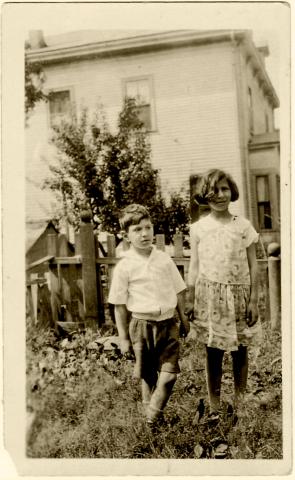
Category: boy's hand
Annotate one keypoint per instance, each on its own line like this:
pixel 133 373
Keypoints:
pixel 125 345
pixel 252 314
pixel 184 327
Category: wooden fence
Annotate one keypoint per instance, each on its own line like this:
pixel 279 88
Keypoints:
pixel 66 290
pixel 70 291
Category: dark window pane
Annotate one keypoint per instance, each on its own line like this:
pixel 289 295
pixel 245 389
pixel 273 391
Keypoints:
pixel 59 105
pixel 264 215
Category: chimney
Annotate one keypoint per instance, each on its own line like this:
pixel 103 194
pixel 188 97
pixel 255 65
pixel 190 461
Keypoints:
pixel 264 52
pixel 36 39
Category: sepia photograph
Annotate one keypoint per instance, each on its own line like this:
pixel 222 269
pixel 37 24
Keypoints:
pixel 146 238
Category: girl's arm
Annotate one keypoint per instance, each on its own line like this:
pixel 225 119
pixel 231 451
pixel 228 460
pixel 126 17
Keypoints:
pixel 184 324
pixel 193 271
pixel 121 316
pixel 252 310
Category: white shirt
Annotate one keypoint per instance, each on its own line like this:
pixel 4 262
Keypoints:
pixel 148 286
pixel 222 249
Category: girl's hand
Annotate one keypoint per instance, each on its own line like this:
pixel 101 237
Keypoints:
pixel 252 314
pixel 125 346
pixel 189 310
pixel 184 327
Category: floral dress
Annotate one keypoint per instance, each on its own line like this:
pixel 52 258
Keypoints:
pixel 223 285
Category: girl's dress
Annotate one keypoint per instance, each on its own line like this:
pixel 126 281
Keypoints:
pixel 223 286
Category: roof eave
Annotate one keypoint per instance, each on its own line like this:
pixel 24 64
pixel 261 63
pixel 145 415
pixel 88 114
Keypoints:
pixel 253 55
pixel 128 45
pixel 156 41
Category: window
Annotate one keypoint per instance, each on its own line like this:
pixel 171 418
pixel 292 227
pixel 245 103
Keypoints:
pixel 263 202
pixel 250 107
pixel 141 90
pixel 59 106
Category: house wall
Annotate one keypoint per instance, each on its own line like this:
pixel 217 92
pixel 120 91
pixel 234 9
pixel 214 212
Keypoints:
pixel 259 160
pixel 262 106
pixel 195 109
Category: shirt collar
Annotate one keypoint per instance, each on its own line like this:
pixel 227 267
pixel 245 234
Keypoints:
pixel 131 253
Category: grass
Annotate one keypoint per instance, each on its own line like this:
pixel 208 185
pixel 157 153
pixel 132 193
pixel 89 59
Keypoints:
pixel 83 402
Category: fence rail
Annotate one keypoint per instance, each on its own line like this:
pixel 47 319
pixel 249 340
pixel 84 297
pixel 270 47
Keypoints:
pixel 66 290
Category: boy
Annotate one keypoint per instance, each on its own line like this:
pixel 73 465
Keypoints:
pixel 146 283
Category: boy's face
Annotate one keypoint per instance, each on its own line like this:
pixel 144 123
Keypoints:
pixel 141 235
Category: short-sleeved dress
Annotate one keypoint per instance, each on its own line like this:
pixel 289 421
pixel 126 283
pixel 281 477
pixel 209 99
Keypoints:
pixel 223 285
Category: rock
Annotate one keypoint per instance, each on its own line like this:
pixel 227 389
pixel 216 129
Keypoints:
pixel 220 449
pixel 198 451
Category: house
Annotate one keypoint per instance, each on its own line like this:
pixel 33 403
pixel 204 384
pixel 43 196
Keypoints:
pixel 204 96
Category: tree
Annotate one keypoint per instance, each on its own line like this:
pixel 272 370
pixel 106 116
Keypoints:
pixel 34 83
pixel 105 172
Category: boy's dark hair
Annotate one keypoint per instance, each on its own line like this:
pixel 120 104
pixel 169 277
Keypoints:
pixel 206 187
pixel 132 215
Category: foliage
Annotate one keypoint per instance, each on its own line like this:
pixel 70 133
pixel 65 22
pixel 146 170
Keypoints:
pixel 175 215
pixel 34 81
pixel 106 171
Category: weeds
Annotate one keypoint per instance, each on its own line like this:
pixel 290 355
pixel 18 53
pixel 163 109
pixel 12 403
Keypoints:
pixel 85 403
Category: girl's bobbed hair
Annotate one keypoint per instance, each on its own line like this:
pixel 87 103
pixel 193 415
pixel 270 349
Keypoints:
pixel 206 186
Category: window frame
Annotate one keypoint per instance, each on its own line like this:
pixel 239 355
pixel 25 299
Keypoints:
pixel 274 198
pixel 67 88
pixel 150 81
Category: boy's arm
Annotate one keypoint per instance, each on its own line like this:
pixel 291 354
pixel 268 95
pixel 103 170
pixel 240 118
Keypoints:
pixel 184 323
pixel 252 310
pixel 121 316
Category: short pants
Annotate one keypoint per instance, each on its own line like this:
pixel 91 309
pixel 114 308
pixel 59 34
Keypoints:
pixel 156 347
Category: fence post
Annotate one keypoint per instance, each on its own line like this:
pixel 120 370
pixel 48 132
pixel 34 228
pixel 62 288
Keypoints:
pixel 52 240
pixel 77 244
pixel 89 271
pixel 111 249
pixel 274 280
pixel 63 250
pixel 178 244
pixel 160 241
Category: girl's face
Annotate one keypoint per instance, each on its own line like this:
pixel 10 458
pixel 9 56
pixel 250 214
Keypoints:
pixel 221 197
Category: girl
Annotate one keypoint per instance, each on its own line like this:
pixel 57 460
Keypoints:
pixel 222 282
